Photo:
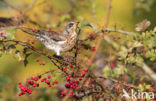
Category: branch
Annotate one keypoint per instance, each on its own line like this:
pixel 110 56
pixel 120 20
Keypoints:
pixel 105 26
pixel 118 31
pixel 30 6
pixel 119 82
pixel 88 94
pixel 148 71
pixel 40 52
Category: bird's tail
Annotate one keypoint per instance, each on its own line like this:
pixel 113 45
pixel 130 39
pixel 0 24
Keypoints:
pixel 28 30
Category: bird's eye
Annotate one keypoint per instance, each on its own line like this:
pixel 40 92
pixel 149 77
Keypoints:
pixel 71 24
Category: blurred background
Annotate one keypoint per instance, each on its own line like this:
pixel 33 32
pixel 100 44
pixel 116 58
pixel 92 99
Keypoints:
pixel 55 14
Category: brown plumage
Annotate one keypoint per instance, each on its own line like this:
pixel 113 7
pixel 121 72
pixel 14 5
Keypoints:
pixel 58 41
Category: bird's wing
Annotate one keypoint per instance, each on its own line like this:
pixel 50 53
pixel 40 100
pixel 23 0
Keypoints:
pixel 4 22
pixel 53 35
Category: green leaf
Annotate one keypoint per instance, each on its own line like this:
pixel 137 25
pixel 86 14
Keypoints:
pixel 86 46
pixel 107 71
pixel 10 32
pixel 85 23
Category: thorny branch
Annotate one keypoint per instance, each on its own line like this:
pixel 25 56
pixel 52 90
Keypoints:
pixel 90 74
pixel 39 52
pixel 105 26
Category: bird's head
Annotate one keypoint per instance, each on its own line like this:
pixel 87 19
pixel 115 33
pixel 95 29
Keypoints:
pixel 71 27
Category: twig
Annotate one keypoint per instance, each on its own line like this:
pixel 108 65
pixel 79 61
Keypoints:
pixel 76 47
pixel 119 31
pixel 119 82
pixel 148 71
pixel 105 26
pixel 39 52
pixel 93 10
pixel 29 6
pixel 87 94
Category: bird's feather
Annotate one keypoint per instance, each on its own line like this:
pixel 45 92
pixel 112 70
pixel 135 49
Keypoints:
pixel 53 35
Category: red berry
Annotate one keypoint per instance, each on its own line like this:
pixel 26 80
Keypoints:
pixel 32 83
pixel 65 69
pixel 69 75
pixel 93 48
pixel 47 81
pixel 29 91
pixel 35 85
pixel 62 93
pixel 1 33
pixel 77 88
pixel 42 80
pixel 20 94
pixel 154 97
pixel 68 78
pixel 128 52
pixel 49 77
pixel 34 30
pixel 29 81
pixel 136 51
pixel 79 48
pixel 49 85
pixel 91 87
pixel 42 63
pixel 144 52
pixel 36 78
pixel 80 78
pixel 56 81
pixel 37 60
pixel 20 83
pixel 112 64
pixel 83 74
pixel 32 42
pixel 70 65
pixel 71 95
pixel 85 69
pixel 100 96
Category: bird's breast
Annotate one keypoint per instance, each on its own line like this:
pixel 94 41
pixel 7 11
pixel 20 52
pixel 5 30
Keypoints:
pixel 70 43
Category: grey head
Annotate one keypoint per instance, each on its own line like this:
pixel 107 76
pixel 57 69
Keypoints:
pixel 70 27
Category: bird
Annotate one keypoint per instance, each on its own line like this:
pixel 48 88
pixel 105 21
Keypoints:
pixel 58 41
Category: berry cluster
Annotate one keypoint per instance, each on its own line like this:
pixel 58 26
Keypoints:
pixel 34 82
pixel 41 63
pixel 24 90
pixel 63 94
pixel 72 84
pixel 3 35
